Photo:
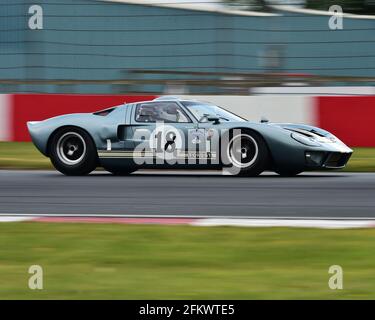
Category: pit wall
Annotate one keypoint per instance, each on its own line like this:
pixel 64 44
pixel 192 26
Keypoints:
pixel 351 118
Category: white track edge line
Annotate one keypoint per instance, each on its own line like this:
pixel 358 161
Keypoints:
pixel 230 222
pixel 183 216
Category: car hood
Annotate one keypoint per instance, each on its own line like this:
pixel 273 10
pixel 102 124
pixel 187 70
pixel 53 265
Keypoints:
pixel 314 133
pixel 303 129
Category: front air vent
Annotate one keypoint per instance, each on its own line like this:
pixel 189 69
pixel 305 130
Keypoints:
pixel 337 160
pixel 104 112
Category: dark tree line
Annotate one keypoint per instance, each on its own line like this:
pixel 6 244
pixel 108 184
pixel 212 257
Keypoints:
pixel 260 5
pixel 349 6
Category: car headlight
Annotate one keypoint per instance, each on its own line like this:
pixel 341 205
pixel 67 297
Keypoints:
pixel 305 140
pixel 334 139
pixel 330 139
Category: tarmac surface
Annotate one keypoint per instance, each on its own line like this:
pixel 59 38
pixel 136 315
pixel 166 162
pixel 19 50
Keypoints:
pixel 193 194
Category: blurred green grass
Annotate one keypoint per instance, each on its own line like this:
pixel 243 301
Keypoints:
pixel 107 261
pixel 23 155
pixel 362 160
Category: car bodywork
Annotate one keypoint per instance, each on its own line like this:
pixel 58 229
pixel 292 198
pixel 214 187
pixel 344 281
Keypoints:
pixel 294 147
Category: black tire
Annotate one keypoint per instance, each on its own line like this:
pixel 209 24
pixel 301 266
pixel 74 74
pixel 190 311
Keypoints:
pixel 246 153
pixel 288 173
pixel 73 152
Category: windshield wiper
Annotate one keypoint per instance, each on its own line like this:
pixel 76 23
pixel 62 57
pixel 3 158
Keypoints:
pixel 223 118
pixel 205 115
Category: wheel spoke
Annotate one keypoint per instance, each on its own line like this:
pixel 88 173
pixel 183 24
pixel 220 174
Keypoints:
pixel 243 150
pixel 71 148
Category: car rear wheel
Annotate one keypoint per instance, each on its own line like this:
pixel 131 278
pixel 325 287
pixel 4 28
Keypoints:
pixel 73 152
pixel 246 153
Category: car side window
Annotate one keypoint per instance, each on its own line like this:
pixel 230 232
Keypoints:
pixel 169 112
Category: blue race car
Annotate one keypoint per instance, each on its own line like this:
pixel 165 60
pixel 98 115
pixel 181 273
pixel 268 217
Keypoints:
pixel 169 132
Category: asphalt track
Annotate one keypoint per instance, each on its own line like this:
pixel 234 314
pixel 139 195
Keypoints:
pixel 312 195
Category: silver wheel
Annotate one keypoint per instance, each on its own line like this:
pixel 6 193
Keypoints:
pixel 242 151
pixel 71 148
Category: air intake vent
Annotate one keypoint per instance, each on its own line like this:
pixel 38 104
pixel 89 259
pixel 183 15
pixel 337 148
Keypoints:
pixel 104 112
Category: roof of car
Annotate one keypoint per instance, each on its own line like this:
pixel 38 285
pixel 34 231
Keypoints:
pixel 167 98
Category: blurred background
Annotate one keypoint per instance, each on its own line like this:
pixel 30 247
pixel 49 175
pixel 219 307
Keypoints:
pixel 185 46
pixel 274 58
pixel 277 59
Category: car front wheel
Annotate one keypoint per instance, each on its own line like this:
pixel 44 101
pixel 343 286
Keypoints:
pixel 246 153
pixel 73 152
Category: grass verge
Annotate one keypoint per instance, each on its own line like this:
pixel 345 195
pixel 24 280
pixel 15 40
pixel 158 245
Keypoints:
pixel 104 261
pixel 23 155
pixel 362 160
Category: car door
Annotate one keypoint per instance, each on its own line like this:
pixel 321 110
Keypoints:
pixel 208 145
pixel 204 138
pixel 160 131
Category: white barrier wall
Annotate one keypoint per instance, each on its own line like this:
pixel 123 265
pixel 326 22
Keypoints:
pixel 349 117
pixel 5 117
pixel 296 109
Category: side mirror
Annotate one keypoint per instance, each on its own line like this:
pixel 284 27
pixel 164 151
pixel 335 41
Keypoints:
pixel 213 118
pixel 264 120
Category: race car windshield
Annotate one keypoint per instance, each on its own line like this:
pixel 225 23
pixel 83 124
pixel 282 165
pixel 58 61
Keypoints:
pixel 201 110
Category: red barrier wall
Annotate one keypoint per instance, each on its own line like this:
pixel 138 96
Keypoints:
pixel 35 107
pixel 351 119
